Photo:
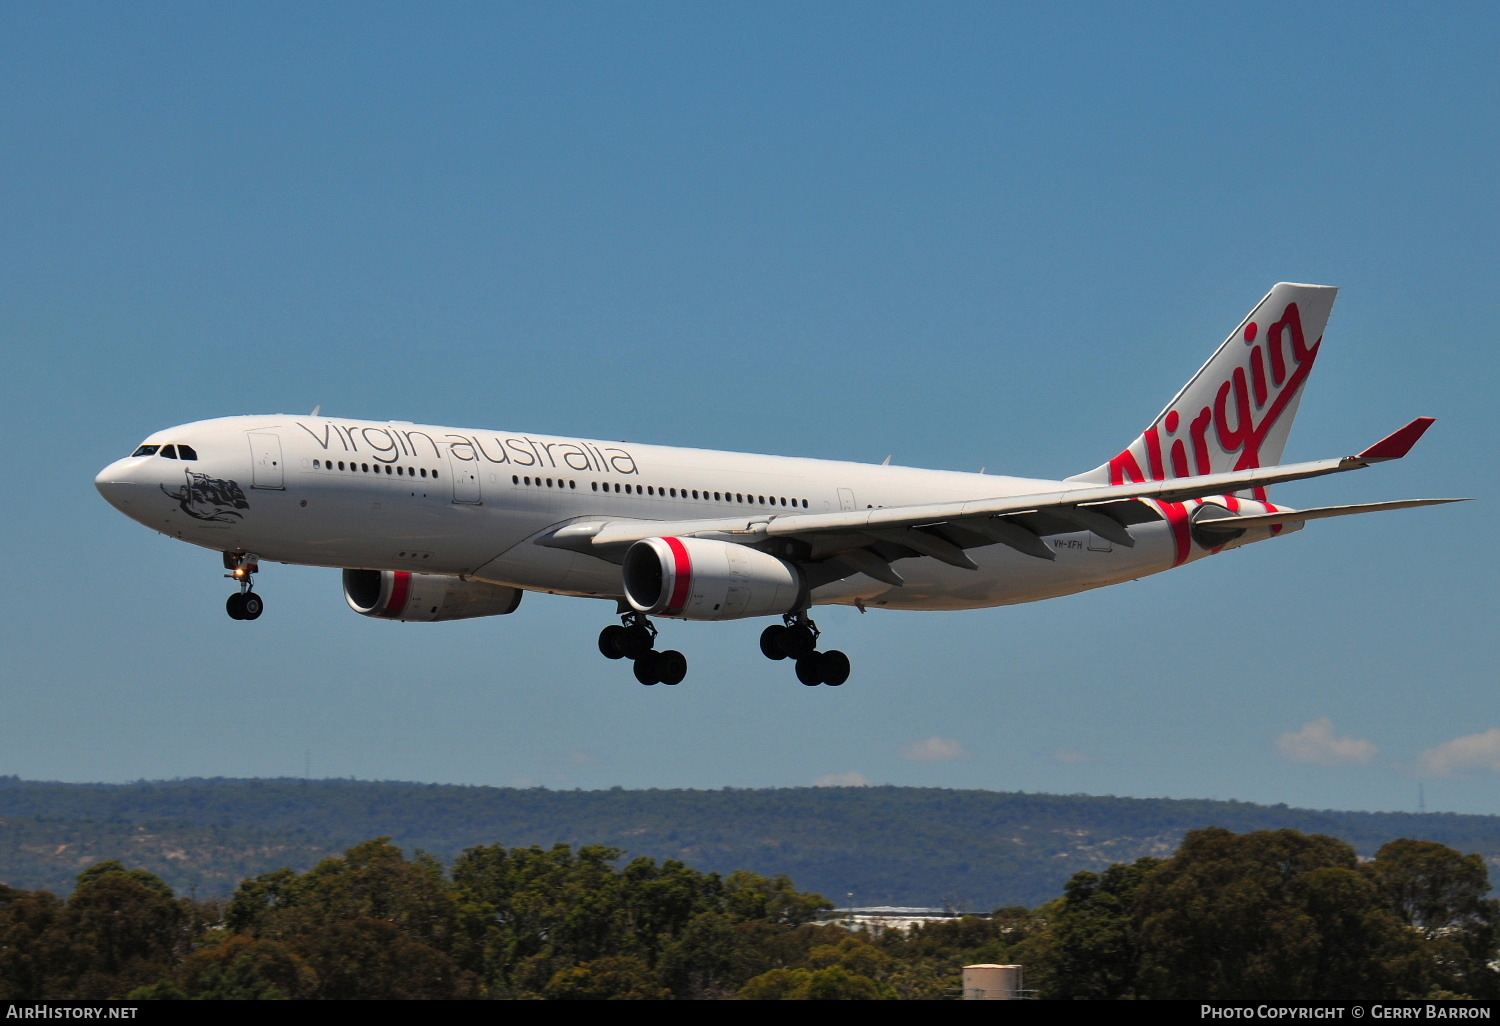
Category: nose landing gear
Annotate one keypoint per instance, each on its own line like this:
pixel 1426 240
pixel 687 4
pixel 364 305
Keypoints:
pixel 635 639
pixel 796 638
pixel 243 604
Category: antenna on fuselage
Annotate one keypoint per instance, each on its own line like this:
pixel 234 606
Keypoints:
pixel 316 410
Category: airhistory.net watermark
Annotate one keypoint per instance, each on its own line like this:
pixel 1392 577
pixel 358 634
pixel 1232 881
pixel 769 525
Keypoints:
pixel 69 1012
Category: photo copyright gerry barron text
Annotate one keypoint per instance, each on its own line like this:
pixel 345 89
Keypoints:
pixel 1412 1011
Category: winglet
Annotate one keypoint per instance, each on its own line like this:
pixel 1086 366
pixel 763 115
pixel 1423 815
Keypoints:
pixel 1398 444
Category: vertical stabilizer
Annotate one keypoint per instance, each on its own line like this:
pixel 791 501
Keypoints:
pixel 1237 411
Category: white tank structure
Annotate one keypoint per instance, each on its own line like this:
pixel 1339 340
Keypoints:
pixel 992 983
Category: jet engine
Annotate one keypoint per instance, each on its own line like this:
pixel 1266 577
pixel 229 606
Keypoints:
pixel 700 579
pixel 402 595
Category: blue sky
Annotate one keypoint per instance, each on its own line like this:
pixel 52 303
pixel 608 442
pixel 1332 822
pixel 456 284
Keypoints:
pixel 961 234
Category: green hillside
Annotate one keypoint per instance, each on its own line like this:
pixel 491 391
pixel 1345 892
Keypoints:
pixel 975 850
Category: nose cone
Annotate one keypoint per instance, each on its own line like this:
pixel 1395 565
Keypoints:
pixel 115 482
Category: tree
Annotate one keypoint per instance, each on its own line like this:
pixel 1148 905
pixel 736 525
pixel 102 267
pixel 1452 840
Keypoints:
pixel 31 947
pixel 121 929
pixel 714 955
pixel 370 924
pixel 618 978
pixel 774 900
pixel 1444 895
pixel 246 969
pixel 1434 888
pixel 1092 948
pixel 834 983
pixel 372 959
pixel 1270 915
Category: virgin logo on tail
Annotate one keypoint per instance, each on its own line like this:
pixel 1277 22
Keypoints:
pixel 1227 433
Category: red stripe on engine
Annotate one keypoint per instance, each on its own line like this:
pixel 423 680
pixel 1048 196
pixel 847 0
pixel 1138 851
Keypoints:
pixel 400 589
pixel 682 577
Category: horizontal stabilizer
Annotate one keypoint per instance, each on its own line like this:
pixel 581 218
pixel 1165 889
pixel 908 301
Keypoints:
pixel 1230 525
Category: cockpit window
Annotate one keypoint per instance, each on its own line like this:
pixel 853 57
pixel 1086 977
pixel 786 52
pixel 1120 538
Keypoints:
pixel 146 450
pixel 187 452
pixel 169 451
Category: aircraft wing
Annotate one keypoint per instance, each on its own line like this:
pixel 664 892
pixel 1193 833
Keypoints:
pixel 867 541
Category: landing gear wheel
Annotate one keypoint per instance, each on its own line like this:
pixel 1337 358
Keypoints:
pixel 251 605
pixel 636 642
pixel 671 667
pixel 648 668
pixel 810 670
pixel 773 641
pixel 244 604
pixel 611 642
pixel 834 668
pixel 799 641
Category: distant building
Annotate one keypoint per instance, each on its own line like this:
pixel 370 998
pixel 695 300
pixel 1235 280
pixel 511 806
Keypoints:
pixel 878 918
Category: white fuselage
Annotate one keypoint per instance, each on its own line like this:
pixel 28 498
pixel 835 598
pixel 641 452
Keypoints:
pixel 394 496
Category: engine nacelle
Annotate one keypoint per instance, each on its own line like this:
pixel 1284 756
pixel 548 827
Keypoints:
pixel 699 579
pixel 402 595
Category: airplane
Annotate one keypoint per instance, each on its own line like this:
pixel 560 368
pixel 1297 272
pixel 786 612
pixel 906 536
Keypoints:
pixel 434 523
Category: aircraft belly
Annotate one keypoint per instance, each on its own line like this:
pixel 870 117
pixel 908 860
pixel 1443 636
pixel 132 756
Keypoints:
pixel 1008 577
pixel 552 570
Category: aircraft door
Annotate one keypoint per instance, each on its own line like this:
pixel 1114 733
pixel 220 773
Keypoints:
pixel 266 470
pixel 465 482
pixel 846 498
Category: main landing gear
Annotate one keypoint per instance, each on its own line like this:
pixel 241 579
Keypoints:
pixel 635 639
pixel 797 638
pixel 243 604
